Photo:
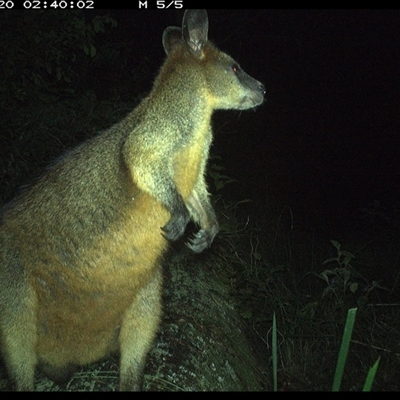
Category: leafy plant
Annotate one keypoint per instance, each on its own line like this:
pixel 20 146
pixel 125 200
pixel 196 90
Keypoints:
pixel 341 278
pixel 344 349
pixel 218 179
pixel 44 50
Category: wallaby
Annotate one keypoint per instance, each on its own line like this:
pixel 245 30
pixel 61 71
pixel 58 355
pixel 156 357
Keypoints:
pixel 80 249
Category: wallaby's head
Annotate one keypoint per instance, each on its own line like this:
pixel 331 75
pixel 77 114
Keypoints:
pixel 216 74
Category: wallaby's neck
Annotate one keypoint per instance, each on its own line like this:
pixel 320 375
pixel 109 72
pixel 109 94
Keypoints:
pixel 182 87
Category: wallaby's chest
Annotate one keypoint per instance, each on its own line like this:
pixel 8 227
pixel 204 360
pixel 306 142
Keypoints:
pixel 190 158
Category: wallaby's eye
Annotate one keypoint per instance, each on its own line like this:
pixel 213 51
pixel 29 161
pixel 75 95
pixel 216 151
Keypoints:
pixel 235 68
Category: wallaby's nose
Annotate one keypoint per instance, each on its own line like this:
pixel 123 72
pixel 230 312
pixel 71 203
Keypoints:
pixel 262 89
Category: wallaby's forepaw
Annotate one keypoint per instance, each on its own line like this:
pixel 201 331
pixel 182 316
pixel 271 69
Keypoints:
pixel 176 226
pixel 203 239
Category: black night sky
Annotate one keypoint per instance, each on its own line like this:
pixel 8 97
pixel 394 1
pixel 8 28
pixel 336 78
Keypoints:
pixel 326 140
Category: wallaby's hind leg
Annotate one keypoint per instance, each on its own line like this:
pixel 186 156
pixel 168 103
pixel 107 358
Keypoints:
pixel 138 330
pixel 18 334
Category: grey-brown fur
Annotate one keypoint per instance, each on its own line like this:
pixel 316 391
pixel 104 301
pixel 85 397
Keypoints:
pixel 80 249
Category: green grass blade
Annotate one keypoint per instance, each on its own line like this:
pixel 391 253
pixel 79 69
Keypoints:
pixel 371 376
pixel 344 348
pixel 274 355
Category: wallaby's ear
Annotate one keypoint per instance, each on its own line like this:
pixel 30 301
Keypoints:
pixel 195 29
pixel 171 36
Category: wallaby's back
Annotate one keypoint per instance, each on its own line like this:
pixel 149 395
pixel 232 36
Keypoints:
pixel 80 249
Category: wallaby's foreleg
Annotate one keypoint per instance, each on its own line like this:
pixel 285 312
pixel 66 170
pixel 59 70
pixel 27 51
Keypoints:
pixel 203 213
pixel 155 177
pixel 200 207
